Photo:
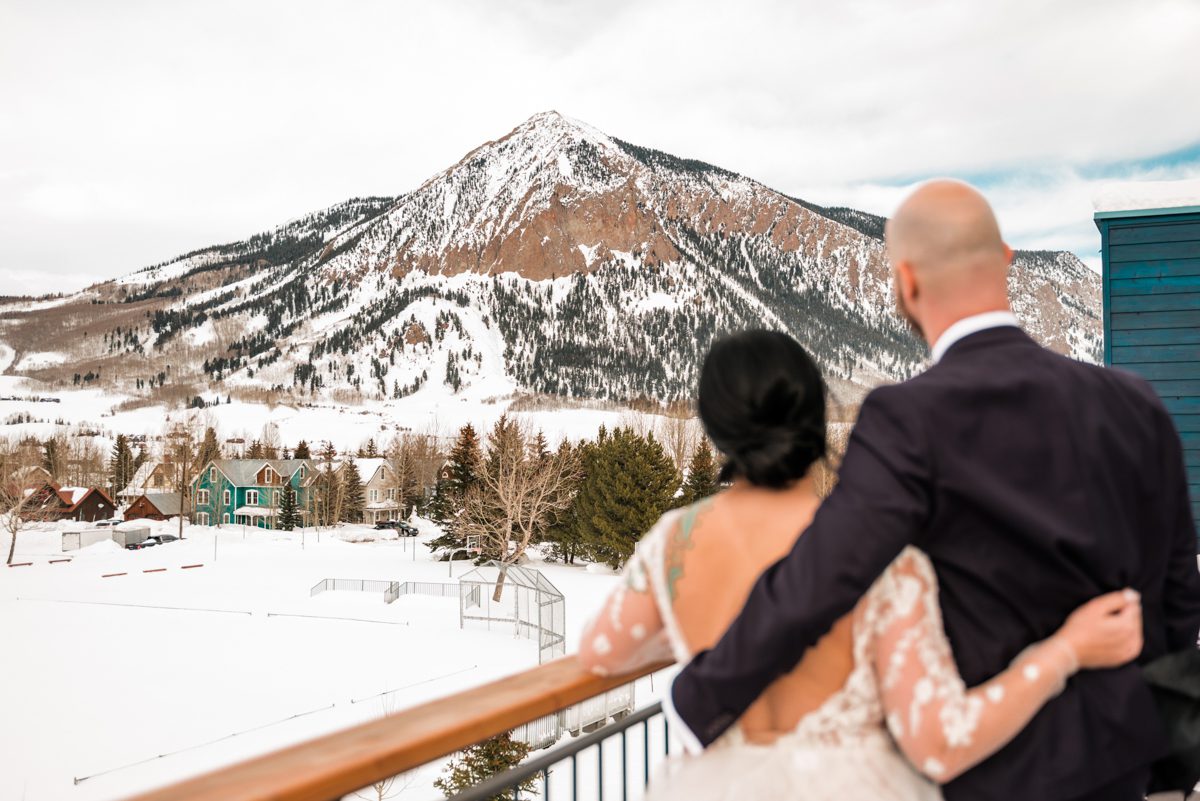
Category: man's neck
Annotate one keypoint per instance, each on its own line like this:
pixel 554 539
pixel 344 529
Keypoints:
pixel 970 325
pixel 932 331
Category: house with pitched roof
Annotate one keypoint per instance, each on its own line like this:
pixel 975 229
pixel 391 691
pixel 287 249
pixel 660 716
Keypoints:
pixel 86 504
pixel 154 506
pixel 381 501
pixel 249 491
pixel 151 477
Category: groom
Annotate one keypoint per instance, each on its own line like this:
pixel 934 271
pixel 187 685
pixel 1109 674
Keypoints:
pixel 1033 482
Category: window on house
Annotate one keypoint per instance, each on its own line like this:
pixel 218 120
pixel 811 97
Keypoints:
pixel 212 473
pixel 302 471
pixel 226 499
pixel 202 518
pixel 252 497
pixel 202 497
pixel 225 517
pixel 391 493
pixel 374 495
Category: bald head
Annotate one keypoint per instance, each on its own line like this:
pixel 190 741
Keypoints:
pixel 949 259
pixel 945 224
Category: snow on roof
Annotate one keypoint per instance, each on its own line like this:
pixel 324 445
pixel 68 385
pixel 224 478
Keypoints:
pixel 138 482
pixel 1142 195
pixel 254 511
pixel 72 495
pixel 528 577
pixel 366 466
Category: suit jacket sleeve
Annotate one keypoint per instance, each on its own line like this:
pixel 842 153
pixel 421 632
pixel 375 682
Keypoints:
pixel 1181 595
pixel 881 503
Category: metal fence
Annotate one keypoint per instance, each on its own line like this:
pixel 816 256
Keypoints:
pixel 571 771
pixel 391 589
pixel 351 585
pixel 437 589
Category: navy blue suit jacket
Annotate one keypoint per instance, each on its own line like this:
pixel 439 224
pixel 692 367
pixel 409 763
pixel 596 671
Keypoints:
pixel 1035 483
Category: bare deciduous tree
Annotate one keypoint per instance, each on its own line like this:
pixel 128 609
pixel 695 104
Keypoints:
pixel 518 494
pixel 678 437
pixel 22 499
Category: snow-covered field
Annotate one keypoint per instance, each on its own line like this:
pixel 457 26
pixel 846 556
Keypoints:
pixel 211 665
pixel 433 409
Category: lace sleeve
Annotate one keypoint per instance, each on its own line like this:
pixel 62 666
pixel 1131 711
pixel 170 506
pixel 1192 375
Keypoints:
pixel 941 726
pixel 628 631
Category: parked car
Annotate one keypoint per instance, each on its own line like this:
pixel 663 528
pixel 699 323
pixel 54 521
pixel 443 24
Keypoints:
pixel 150 542
pixel 112 521
pixel 384 525
pixel 406 530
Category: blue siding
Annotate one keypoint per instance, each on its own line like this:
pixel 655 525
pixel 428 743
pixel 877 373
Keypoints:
pixel 1152 314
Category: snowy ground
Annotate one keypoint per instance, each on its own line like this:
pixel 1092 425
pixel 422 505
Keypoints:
pixel 433 410
pixel 211 665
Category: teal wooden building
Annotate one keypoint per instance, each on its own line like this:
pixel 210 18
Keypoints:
pixel 1150 245
pixel 249 491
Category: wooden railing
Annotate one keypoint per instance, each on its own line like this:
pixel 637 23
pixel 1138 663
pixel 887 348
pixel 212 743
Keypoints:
pixel 336 764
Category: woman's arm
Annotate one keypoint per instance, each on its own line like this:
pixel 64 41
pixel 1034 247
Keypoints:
pixel 943 728
pixel 628 631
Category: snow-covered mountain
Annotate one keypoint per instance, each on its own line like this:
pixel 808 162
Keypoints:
pixel 556 260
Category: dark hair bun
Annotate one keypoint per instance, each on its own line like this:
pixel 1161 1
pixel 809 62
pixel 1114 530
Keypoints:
pixel 762 403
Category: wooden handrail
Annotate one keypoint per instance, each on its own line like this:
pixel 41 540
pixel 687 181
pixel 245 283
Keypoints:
pixel 331 766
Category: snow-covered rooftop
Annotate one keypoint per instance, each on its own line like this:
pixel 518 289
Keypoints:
pixel 1144 195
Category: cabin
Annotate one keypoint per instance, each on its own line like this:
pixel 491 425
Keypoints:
pixel 249 491
pixel 1150 247
pixel 154 506
pixel 84 504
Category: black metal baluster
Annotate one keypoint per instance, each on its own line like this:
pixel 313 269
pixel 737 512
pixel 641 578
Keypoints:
pixel 666 737
pixel 600 771
pixel 624 768
pixel 645 752
pixel 574 777
pixel 546 783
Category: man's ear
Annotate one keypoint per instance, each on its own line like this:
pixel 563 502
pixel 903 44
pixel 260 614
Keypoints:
pixel 907 279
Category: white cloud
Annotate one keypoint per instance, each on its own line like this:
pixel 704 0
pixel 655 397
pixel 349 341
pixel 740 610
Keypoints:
pixel 133 131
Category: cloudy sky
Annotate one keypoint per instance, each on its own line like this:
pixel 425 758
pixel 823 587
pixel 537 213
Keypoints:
pixel 134 131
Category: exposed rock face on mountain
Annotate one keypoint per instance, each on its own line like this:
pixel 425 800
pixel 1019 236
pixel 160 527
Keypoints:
pixel 554 260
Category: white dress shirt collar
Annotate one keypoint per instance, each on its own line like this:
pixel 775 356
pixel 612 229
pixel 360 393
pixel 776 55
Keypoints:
pixel 971 325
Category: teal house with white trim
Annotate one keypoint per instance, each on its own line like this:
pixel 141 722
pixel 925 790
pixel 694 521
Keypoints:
pixel 249 491
pixel 1150 246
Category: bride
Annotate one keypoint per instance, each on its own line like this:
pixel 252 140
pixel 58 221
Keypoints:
pixel 877 709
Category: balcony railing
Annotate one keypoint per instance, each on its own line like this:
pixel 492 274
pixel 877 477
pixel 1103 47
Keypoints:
pixel 332 766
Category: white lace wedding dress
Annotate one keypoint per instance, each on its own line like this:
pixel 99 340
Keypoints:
pixel 903 689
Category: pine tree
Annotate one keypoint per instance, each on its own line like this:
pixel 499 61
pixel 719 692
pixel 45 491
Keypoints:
pixel 302 451
pixel 480 762
pixel 441 508
pixel 288 515
pixel 52 458
pixel 564 535
pixel 256 450
pixel 120 466
pixel 370 450
pixel 702 475
pixel 209 449
pixel 630 482
pixel 465 460
pixel 352 493
pixel 141 457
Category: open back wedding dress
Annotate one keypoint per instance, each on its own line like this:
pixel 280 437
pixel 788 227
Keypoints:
pixel 903 690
